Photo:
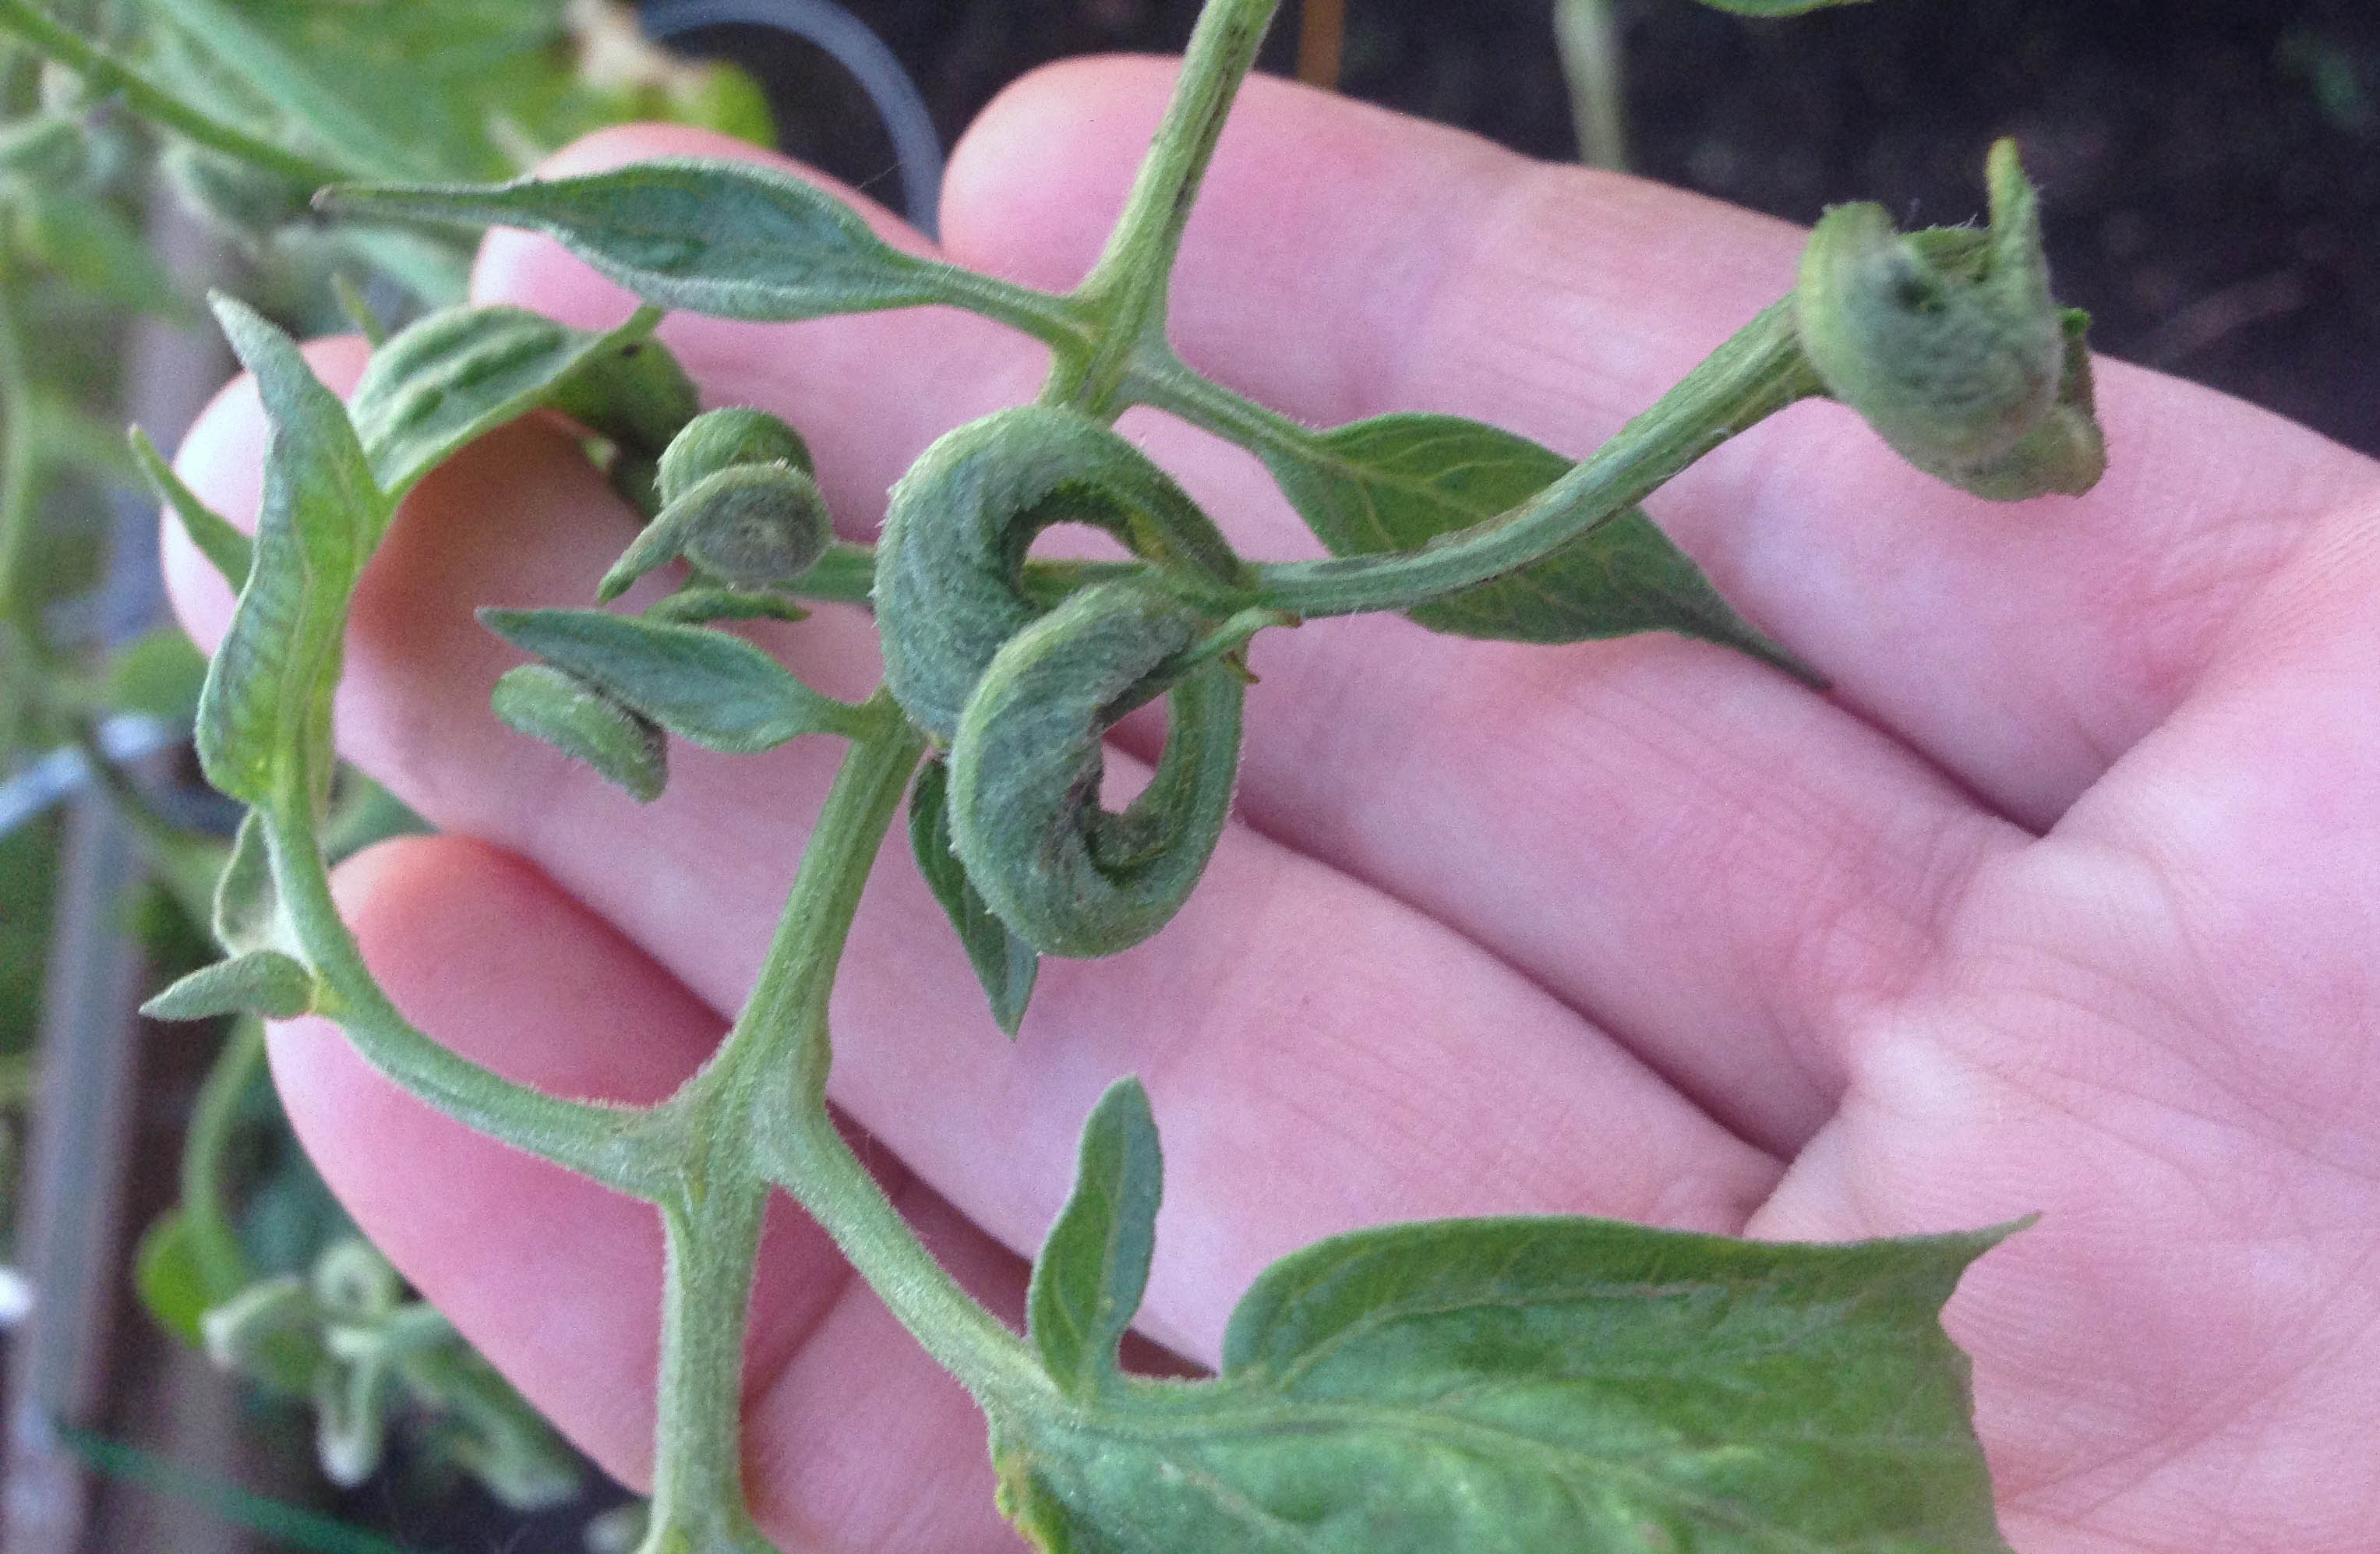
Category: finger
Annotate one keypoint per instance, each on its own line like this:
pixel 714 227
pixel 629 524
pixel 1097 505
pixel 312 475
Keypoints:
pixel 558 1282
pixel 1344 261
pixel 1833 847
pixel 1288 1023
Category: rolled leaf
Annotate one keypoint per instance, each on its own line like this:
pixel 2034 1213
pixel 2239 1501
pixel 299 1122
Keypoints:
pixel 582 723
pixel 718 691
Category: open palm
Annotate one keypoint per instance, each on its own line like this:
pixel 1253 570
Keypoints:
pixel 2061 901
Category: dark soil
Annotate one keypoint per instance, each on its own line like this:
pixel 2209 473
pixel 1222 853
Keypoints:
pixel 2210 169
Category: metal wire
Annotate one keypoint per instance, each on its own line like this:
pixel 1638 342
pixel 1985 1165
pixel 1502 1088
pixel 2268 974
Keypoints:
pixel 858 49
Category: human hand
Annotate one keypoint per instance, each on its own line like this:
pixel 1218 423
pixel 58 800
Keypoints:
pixel 2052 905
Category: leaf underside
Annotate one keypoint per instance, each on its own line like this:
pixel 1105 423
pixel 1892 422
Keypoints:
pixel 1005 965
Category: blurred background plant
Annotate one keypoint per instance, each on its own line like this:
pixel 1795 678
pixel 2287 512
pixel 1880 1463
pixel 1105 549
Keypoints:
pixel 2211 192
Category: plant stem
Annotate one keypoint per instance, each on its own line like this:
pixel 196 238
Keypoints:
pixel 1128 288
pixel 205 1205
pixel 779 1053
pixel 1595 63
pixel 610 1144
pixel 19 460
pixel 712 1236
pixel 1754 374
pixel 154 102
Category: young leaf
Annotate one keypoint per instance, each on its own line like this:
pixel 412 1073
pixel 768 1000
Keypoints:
pixel 459 373
pixel 171 1273
pixel 267 703
pixel 1005 964
pixel 1088 1280
pixel 695 605
pixel 1543 1387
pixel 717 237
pixel 581 722
pixel 224 546
pixel 718 691
pixel 261 982
pixel 1398 481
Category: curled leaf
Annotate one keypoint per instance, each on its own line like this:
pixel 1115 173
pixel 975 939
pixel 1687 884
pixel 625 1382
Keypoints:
pixel 1069 878
pixel 948 590
pixel 722 693
pixel 577 719
pixel 1948 342
pixel 752 525
pixel 1005 964
pixel 721 439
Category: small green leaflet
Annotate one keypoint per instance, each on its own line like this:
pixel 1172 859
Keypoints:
pixel 1005 964
pixel 1398 481
pixel 578 719
pixel 267 702
pixel 716 237
pixel 1513 1386
pixel 228 550
pixel 461 373
pixel 176 1277
pixel 261 982
pixel 718 691
pixel 1088 1280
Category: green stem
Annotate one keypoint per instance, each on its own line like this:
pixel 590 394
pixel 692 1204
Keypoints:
pixel 612 1144
pixel 1754 375
pixel 205 1205
pixel 712 1239
pixel 779 1053
pixel 19 461
pixel 154 102
pixel 1595 64
pixel 1126 290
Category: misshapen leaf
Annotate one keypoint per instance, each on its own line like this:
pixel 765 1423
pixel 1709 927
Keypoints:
pixel 1005 965
pixel 581 722
pixel 1088 1280
pixel 719 692
pixel 259 982
pixel 717 237
pixel 264 718
pixel 459 373
pixel 1543 1386
pixel 1396 483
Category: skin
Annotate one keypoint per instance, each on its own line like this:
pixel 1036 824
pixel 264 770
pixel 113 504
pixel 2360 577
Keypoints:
pixel 2061 901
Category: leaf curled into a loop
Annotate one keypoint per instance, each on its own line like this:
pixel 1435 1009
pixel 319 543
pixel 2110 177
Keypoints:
pixel 1026 758
pixel 751 525
pixel 721 439
pixel 948 592
pixel 1948 342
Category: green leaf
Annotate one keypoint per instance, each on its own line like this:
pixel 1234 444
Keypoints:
pixel 170 1271
pixel 1088 1280
pixel 1398 481
pixel 461 373
pixel 693 606
pixel 716 237
pixel 230 552
pixel 264 718
pixel 261 982
pixel 247 913
pixel 718 691
pixel 1542 1385
pixel 158 673
pixel 1005 965
pixel 577 719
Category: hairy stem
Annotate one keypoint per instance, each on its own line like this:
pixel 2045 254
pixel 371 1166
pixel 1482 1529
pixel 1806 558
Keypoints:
pixel 712 1236
pixel 154 102
pixel 1756 373
pixel 1128 288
